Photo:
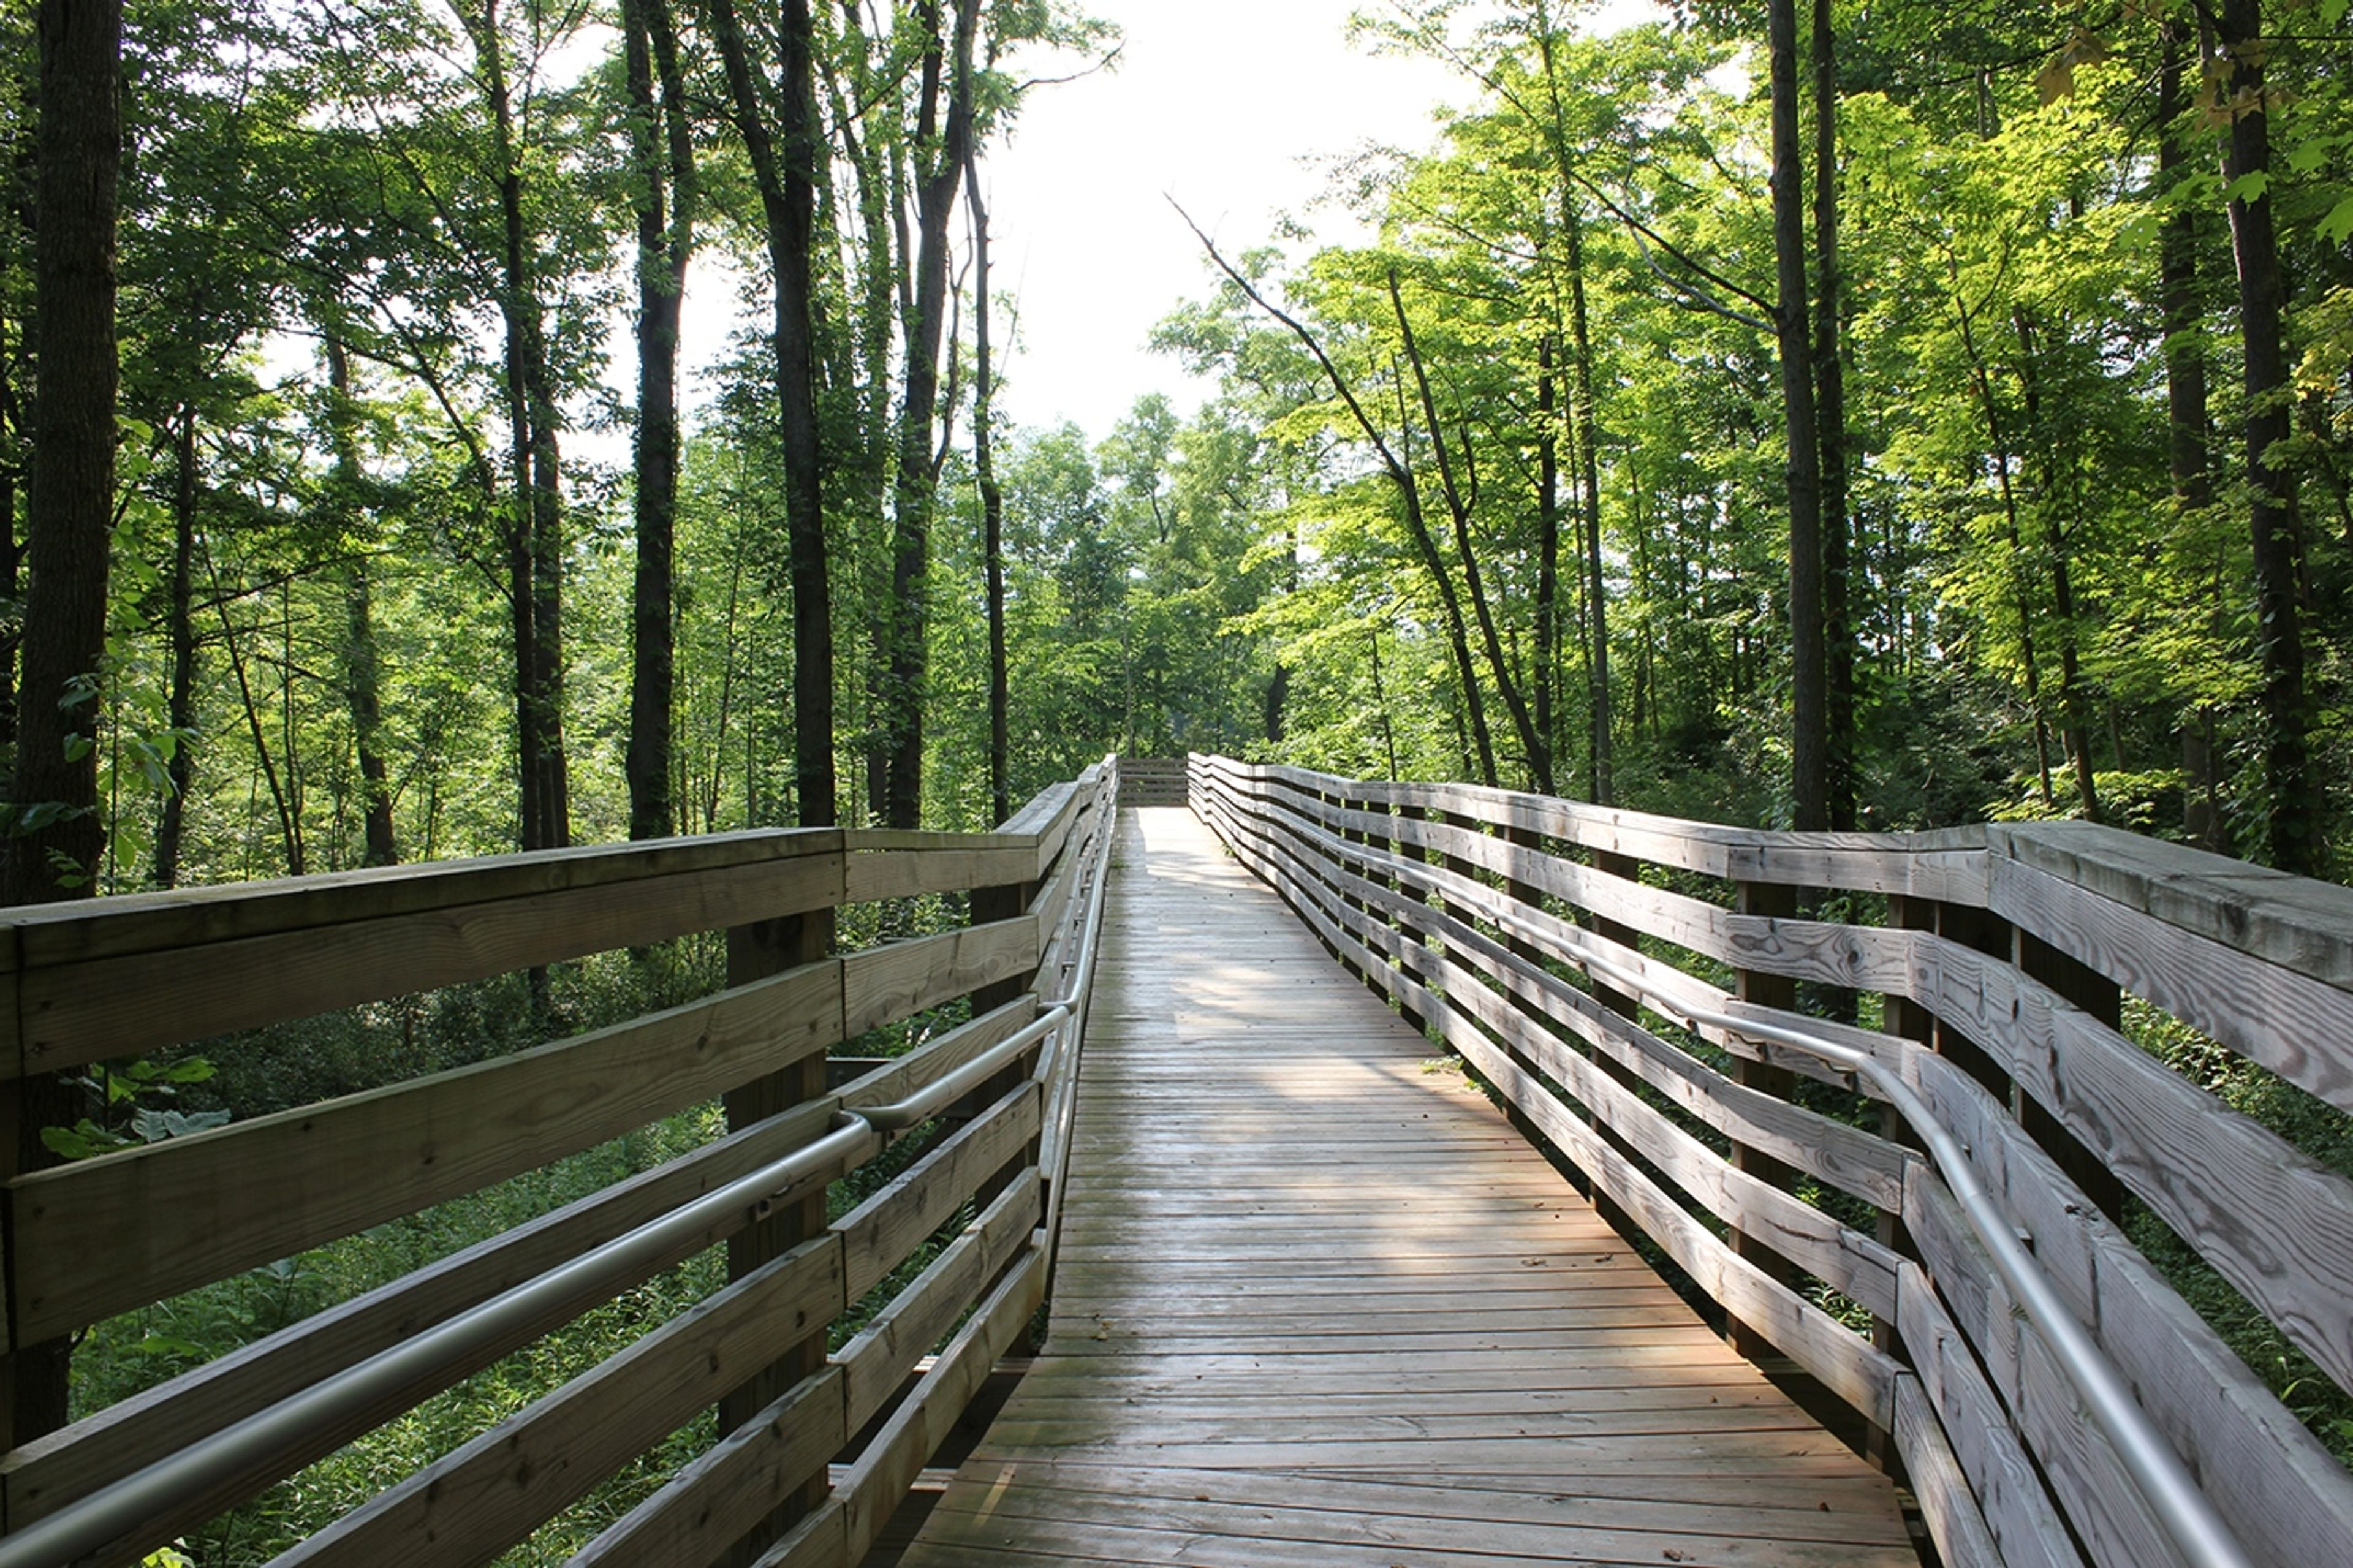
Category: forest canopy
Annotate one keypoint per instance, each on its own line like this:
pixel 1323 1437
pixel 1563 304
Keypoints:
pixel 1848 416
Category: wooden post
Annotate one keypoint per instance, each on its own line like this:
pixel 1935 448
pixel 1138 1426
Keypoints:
pixel 2100 996
pixel 1988 933
pixel 1774 901
pixel 1905 1020
pixel 1406 895
pixel 1524 894
pixel 1001 902
pixel 755 951
pixel 1625 1006
pixel 1350 901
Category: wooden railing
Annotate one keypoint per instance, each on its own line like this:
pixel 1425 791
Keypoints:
pixel 1515 926
pixel 102 1235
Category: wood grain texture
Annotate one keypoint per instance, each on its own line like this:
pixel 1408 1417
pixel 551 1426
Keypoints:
pixel 918 1317
pixel 77 1009
pixel 2299 1026
pixel 44 1476
pixel 494 1490
pixel 2293 922
pixel 880 1233
pixel 1280 1336
pixel 87 1244
pixel 717 1497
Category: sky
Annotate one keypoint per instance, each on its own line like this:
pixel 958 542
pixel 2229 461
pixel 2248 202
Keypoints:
pixel 1236 109
pixel 1230 107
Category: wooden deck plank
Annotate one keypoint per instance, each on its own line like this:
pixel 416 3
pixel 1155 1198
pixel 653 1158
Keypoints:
pixel 1317 1304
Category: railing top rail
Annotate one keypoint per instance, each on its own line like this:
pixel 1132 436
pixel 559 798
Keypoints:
pixel 2298 923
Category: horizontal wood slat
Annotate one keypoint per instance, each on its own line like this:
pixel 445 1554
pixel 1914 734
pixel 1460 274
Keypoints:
pixel 491 1492
pixel 87 1245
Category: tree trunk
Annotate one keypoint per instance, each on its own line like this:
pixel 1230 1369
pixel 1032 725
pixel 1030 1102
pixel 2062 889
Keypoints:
pixel 2185 397
pixel 2295 836
pixel 1460 497
pixel 535 520
pixel 54 848
pixel 1547 542
pixel 944 138
pixel 182 702
pixel 787 184
pixel 361 681
pixel 12 552
pixel 992 502
pixel 1809 737
pixel 662 150
pixel 1588 461
pixel 1829 396
pixel 2073 730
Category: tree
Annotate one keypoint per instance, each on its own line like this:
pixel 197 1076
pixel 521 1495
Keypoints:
pixel 56 835
pixel 662 157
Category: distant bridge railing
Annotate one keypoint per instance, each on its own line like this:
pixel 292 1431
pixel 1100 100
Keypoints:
pixel 1572 954
pixel 104 1236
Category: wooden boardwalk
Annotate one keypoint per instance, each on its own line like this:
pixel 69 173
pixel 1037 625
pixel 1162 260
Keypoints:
pixel 1318 1304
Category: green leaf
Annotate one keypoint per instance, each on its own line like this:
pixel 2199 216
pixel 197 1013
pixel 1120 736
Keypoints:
pixel 2337 227
pixel 81 1141
pixel 2309 156
pixel 2248 187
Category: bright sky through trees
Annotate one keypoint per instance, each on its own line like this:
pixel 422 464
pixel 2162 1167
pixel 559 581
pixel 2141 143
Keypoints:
pixel 1239 108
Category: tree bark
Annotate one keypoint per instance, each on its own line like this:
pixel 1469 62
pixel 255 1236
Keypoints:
pixel 1809 694
pixel 2185 396
pixel 2295 829
pixel 992 502
pixel 1830 397
pixel 1589 461
pixel 788 183
pixel 1460 497
pixel 945 137
pixel 181 703
pixel 362 672
pixel 2073 730
pixel 535 523
pixel 1547 604
pixel 57 837
pixel 661 147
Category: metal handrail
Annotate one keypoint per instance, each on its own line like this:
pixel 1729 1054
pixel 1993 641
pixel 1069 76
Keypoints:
pixel 94 1522
pixel 2181 1508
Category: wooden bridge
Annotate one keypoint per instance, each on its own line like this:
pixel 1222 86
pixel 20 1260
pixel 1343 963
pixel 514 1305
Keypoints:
pixel 1313 1293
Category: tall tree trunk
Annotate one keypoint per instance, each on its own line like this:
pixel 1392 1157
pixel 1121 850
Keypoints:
pixel 2294 837
pixel 2073 729
pixel 943 141
pixel 1808 694
pixel 69 511
pixel 1461 498
pixel 12 550
pixel 1547 542
pixel 992 502
pixel 2185 396
pixel 662 148
pixel 535 520
pixel 788 183
pixel 1593 623
pixel 1830 398
pixel 361 677
pixel 181 711
pixel 1589 461
pixel 1982 379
